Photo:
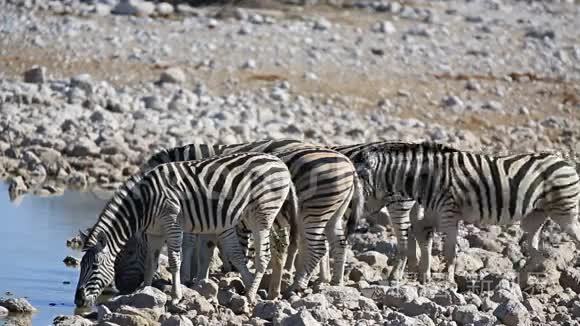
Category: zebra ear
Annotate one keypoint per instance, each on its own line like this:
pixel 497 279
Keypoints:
pixel 101 241
pixel 83 235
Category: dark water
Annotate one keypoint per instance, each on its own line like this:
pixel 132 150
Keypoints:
pixel 33 238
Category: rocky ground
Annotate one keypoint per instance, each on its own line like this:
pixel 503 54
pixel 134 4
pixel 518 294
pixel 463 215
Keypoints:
pixel 89 89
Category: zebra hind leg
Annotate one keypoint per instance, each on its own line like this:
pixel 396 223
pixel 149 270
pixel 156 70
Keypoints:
pixel 207 245
pixel 188 250
pixel 312 248
pixel 532 225
pixel 424 238
pixel 261 260
pixel 234 252
pixel 400 212
pixel 279 241
pixel 337 241
pixel 154 245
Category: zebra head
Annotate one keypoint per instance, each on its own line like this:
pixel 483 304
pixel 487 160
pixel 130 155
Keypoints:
pixel 366 164
pixel 97 269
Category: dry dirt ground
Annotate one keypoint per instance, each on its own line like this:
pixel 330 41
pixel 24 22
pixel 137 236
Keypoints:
pixel 414 93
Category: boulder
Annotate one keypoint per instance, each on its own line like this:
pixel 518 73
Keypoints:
pixel 177 320
pixel 71 321
pixel 148 297
pixel 342 296
pixel 302 318
pixel 469 315
pixel 373 258
pixel 513 313
pixel 269 309
pixel 17 305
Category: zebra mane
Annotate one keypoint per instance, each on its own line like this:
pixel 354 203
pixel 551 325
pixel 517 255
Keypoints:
pixel 398 147
pixel 110 210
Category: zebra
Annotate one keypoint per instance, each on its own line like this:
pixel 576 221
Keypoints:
pixel 208 197
pixel 325 181
pixel 480 189
pixel 404 211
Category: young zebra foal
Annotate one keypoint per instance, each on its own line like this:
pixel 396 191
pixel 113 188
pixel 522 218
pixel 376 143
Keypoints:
pixel 205 197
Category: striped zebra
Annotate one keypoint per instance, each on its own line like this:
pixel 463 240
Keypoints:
pixel 208 197
pixel 480 189
pixel 325 183
pixel 403 212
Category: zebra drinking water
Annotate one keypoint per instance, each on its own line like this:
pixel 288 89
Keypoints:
pixel 481 189
pixel 325 182
pixel 208 197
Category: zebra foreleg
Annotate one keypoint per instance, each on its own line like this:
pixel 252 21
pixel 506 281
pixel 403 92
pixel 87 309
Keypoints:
pixel 261 260
pixel 174 235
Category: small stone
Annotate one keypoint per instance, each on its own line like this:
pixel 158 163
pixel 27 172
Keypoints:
pixel 173 75
pixel 83 81
pixel 17 305
pixel 301 318
pixel 71 261
pixel 71 321
pixel 385 27
pixel 101 9
pixel 239 304
pixel 420 306
pixel 134 7
pixel 472 86
pixel 147 297
pixel 212 23
pixel 36 75
pixel 164 9
pixel 539 33
pixel 322 24
pixel 84 147
pixel 452 102
pixel 177 320
pixel 512 313
pixel 524 111
pixel 373 258
pixel 3 311
pixel 269 309
pixel 207 288
pixel 492 105
pixel 469 315
pixel 250 64
pixel 280 95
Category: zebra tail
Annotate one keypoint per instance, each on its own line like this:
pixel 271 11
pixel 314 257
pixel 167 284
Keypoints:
pixel 292 212
pixel 357 207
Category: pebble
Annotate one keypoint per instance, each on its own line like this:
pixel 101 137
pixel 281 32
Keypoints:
pixel 36 75
pixel 385 27
pixel 173 75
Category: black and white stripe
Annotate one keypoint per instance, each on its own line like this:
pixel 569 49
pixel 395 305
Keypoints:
pixel 325 182
pixel 481 189
pixel 403 211
pixel 206 197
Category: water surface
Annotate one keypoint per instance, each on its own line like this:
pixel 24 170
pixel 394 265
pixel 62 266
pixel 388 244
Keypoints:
pixel 33 238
